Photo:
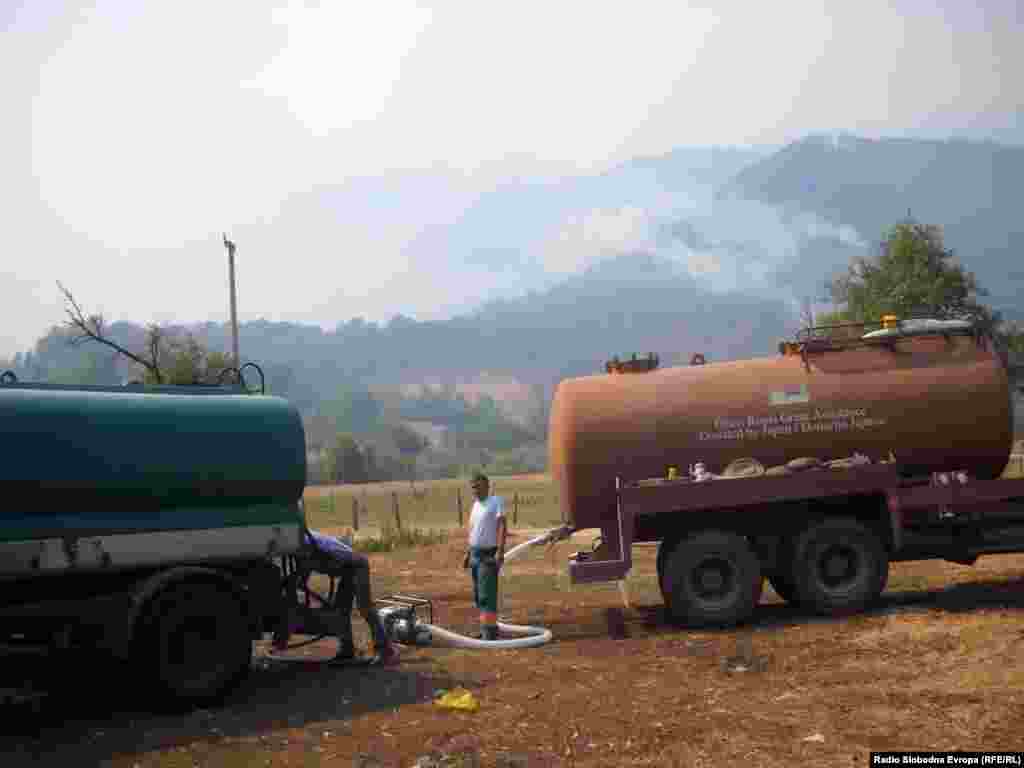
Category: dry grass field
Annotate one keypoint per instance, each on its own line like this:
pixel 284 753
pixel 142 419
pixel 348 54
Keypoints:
pixel 432 505
pixel 939 664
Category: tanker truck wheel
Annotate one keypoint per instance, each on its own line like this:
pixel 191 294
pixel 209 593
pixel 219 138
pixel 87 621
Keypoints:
pixel 196 644
pixel 840 567
pixel 664 549
pixel 712 578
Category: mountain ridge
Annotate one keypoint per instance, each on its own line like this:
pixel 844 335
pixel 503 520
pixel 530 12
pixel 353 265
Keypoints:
pixel 642 299
pixel 968 187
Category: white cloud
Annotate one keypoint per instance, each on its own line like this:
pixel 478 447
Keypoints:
pixel 703 264
pixel 811 225
pixel 588 237
pixel 341 62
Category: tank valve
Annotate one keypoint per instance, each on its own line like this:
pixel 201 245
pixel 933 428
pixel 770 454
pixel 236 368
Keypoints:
pixel 700 473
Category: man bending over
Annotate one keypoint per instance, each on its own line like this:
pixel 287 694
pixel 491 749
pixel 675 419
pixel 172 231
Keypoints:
pixel 334 557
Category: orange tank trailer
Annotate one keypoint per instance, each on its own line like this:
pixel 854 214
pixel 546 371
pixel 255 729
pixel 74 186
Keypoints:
pixel 935 403
pixel 833 449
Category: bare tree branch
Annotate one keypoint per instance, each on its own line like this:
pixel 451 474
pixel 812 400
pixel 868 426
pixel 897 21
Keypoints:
pixel 91 329
pixel 155 335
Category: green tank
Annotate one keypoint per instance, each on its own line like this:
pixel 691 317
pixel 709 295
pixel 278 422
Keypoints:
pixel 117 462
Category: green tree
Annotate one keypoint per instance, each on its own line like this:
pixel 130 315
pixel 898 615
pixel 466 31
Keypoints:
pixel 913 273
pixel 408 441
pixel 352 411
pixel 1014 334
pixel 539 412
pixel 348 461
pixel 186 361
pixel 325 471
pixel 370 463
pixel 89 368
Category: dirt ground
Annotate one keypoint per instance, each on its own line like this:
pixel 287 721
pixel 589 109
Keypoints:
pixel 938 665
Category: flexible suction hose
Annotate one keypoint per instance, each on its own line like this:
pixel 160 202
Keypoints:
pixel 534 636
pixel 555 534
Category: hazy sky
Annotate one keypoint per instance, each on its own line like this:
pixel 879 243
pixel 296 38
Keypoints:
pixel 339 144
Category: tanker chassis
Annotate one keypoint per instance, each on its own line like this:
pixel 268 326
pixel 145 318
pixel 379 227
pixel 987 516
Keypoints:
pixel 887 447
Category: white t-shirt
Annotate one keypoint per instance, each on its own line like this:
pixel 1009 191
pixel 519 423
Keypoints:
pixel 483 522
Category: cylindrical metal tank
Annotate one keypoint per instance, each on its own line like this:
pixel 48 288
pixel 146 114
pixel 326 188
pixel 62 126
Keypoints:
pixel 110 452
pixel 936 403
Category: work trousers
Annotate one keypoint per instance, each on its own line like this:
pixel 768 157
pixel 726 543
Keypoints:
pixel 353 575
pixel 484 568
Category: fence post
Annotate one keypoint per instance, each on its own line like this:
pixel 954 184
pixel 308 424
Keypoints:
pixel 515 509
pixel 458 496
pixel 398 516
pixel 355 513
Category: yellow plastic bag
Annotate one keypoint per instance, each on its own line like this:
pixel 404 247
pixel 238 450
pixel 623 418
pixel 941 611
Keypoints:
pixel 459 699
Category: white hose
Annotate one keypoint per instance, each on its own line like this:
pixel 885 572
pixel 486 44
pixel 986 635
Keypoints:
pixel 555 534
pixel 537 636
pixel 534 635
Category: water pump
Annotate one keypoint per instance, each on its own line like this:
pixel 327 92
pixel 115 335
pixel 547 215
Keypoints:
pixel 398 613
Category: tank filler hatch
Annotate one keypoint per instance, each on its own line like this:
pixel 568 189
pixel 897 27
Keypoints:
pixel 841 336
pixel 633 365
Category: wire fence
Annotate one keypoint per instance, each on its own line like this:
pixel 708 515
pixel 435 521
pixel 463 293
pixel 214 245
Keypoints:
pixel 425 508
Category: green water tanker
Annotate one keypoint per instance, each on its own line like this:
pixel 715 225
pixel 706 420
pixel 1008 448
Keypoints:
pixel 151 522
pixel 143 477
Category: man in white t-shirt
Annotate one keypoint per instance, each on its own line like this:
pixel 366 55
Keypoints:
pixel 486 553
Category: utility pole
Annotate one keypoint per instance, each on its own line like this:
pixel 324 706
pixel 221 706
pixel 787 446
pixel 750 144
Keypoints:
pixel 234 306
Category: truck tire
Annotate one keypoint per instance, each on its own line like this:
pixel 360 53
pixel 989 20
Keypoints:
pixel 664 549
pixel 195 644
pixel 840 566
pixel 711 579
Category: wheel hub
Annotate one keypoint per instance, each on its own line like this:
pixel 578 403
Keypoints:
pixel 713 579
pixel 838 566
pixel 190 650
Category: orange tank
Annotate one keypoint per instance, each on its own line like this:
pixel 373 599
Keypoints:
pixel 931 403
